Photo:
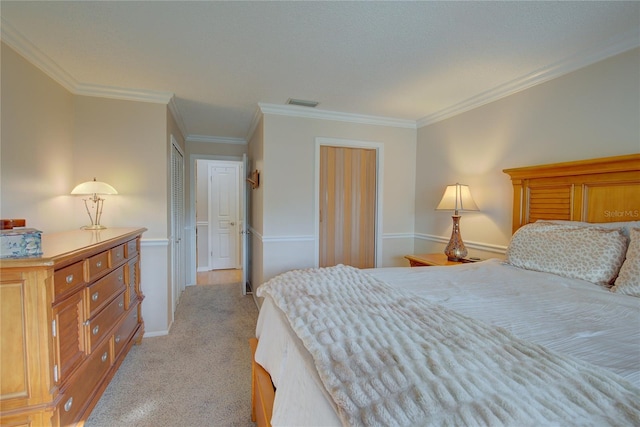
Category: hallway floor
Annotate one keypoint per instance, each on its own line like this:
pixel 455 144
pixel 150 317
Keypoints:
pixel 218 277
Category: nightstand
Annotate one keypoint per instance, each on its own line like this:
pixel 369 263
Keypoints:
pixel 432 259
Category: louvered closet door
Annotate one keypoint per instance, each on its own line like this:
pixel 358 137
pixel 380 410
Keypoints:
pixel 347 206
pixel 178 249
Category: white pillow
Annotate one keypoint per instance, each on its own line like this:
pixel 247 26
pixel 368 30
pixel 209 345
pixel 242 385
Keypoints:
pixel 594 254
pixel 628 280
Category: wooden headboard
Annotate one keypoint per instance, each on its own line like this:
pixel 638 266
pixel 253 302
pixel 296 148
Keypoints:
pixel 596 190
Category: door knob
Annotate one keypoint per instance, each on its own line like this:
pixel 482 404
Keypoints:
pixel 232 223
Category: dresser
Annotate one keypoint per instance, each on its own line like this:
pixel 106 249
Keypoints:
pixel 67 320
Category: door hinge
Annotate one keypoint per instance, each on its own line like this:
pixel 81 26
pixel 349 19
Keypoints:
pixel 55 373
pixel 53 328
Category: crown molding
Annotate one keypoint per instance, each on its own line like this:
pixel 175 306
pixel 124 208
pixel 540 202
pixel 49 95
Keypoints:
pixel 305 112
pixel 628 41
pixel 215 139
pixel 35 56
pixel 255 121
pixel 141 95
pixel 13 38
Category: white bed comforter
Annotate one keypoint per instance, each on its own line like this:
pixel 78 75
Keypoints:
pixel 449 370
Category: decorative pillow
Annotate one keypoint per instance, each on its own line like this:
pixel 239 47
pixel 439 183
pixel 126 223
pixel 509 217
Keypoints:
pixel 588 253
pixel 628 281
pixel 625 226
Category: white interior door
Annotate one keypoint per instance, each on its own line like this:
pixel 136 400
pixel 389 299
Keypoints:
pixel 178 249
pixel 223 216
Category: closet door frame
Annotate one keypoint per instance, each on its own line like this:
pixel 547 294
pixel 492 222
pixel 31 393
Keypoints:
pixel 336 142
pixel 178 225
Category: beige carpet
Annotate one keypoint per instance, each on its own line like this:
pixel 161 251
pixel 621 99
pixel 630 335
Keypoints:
pixel 198 375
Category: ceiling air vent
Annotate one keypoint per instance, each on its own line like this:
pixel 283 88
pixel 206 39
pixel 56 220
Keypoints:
pixel 302 102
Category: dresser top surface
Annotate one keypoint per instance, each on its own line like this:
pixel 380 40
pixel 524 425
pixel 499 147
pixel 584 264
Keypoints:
pixel 58 247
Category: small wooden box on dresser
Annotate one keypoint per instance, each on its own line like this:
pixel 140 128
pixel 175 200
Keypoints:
pixel 67 320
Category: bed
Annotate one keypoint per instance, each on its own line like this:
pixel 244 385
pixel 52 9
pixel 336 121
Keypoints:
pixel 549 337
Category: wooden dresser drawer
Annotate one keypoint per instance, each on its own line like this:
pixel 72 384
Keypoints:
pixel 117 255
pixel 68 335
pixel 77 395
pixel 68 278
pixel 100 325
pixel 102 291
pixel 131 248
pixel 122 334
pixel 131 278
pixel 64 316
pixel 98 264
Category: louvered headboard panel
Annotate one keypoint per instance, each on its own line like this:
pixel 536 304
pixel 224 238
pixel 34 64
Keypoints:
pixel 597 190
pixel 549 202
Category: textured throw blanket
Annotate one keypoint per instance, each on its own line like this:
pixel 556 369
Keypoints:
pixel 390 358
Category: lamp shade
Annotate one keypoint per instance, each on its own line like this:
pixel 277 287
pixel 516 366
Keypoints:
pixel 457 197
pixel 94 187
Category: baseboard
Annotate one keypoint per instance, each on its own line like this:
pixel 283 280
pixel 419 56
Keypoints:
pixel 155 334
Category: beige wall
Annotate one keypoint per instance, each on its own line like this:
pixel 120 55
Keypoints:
pixel 256 206
pixel 216 149
pixel 174 129
pixel 124 143
pixel 36 148
pixel 202 214
pixel 288 182
pixel 210 151
pixel 592 112
pixel 53 140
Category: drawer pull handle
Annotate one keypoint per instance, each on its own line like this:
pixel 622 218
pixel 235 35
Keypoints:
pixel 95 330
pixel 104 357
pixel 117 339
pixel 120 304
pixel 118 254
pixel 67 406
pixel 86 323
pixel 120 278
pixel 69 278
pixel 94 297
pixel 99 264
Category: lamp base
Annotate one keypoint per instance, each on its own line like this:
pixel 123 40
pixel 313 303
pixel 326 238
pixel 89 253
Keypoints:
pixel 98 203
pixel 94 227
pixel 455 250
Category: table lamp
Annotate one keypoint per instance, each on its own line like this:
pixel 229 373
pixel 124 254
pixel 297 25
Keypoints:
pixel 456 198
pixel 93 189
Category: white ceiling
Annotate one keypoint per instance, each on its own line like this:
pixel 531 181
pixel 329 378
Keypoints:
pixel 416 62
